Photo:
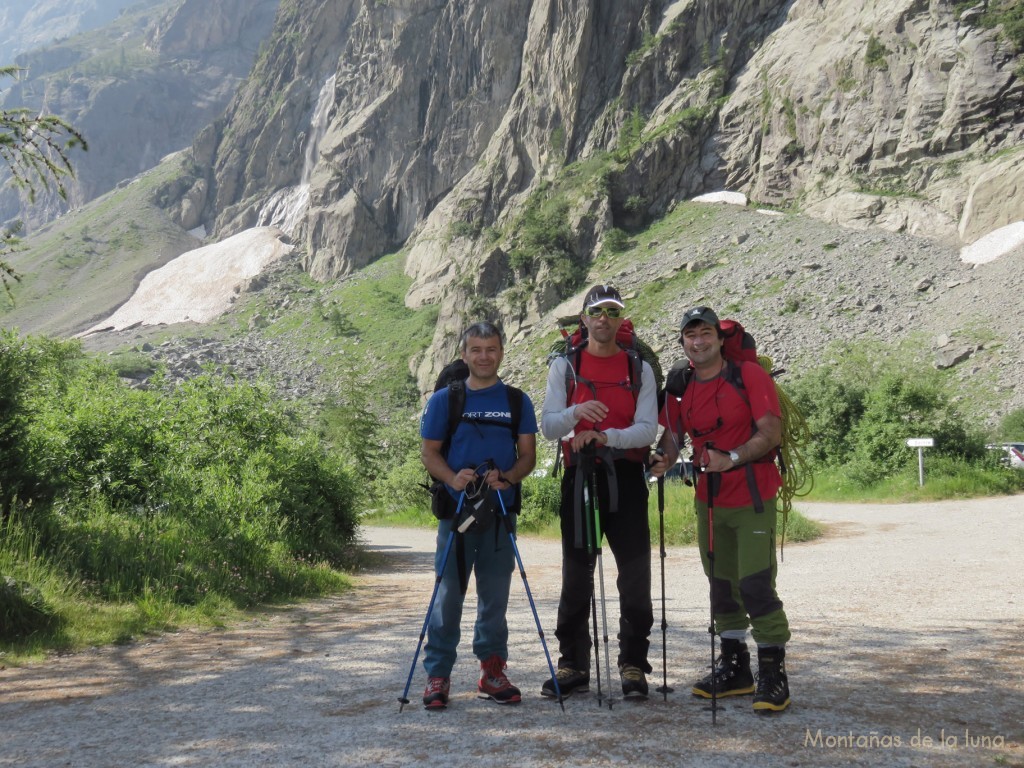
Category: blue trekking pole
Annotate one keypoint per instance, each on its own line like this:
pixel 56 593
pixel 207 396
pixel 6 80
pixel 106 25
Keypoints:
pixel 430 608
pixel 529 595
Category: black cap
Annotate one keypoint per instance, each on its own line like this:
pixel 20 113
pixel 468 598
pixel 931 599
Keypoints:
pixel 602 294
pixel 699 315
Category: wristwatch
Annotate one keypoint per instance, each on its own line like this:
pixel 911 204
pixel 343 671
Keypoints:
pixel 734 458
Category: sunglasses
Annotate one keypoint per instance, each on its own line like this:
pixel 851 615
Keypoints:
pixel 613 313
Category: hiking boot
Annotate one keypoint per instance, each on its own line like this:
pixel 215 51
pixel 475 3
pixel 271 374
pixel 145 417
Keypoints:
pixel 772 683
pixel 435 696
pixel 731 671
pixel 634 682
pixel 493 683
pixel 569 681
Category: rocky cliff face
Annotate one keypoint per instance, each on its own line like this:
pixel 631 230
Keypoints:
pixel 897 123
pixel 504 142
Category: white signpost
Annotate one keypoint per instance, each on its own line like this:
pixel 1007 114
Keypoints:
pixel 920 443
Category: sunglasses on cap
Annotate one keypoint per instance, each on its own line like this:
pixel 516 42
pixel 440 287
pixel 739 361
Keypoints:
pixel 613 313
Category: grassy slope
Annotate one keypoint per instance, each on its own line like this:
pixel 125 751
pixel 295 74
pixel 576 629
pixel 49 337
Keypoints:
pixel 79 268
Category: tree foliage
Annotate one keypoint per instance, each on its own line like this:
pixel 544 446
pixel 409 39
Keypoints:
pixel 862 406
pixel 36 149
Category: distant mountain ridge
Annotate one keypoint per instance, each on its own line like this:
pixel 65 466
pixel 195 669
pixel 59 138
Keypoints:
pixel 138 88
pixel 26 25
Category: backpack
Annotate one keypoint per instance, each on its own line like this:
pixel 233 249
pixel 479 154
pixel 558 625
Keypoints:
pixel 454 377
pixel 571 346
pixel 738 347
pixel 637 350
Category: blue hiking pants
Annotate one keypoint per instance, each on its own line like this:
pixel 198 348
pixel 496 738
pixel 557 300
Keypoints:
pixel 490 556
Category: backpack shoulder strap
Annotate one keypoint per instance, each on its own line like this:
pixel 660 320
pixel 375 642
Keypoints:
pixel 573 358
pixel 734 375
pixel 456 406
pixel 515 409
pixel 636 372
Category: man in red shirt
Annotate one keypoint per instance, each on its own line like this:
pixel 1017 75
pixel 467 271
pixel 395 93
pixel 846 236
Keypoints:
pixel 603 406
pixel 730 410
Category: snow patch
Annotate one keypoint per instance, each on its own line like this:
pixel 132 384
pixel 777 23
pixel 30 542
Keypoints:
pixel 732 198
pixel 996 243
pixel 199 285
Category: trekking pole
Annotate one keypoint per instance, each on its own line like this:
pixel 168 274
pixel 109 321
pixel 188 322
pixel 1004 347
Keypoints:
pixel 586 464
pixel 600 572
pixel 664 690
pixel 430 608
pixel 711 583
pixel 522 572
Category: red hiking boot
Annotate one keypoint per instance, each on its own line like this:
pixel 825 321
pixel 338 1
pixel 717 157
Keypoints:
pixel 493 683
pixel 435 696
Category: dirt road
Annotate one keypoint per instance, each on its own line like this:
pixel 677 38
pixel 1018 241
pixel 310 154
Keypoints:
pixel 908 640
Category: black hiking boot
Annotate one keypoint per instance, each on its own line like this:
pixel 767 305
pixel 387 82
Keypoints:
pixel 634 682
pixel 772 683
pixel 569 681
pixel 731 670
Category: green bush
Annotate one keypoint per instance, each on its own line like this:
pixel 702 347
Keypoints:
pixel 897 407
pixel 541 499
pixel 28 370
pixel 616 241
pixel 875 54
pixel 210 489
pixel 1011 427
pixel 23 609
pixel 862 406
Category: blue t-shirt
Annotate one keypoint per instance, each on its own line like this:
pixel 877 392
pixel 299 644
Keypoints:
pixel 472 444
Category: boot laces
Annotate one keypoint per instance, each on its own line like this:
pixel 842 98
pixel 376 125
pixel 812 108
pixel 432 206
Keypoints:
pixel 564 673
pixel 436 685
pixel 493 669
pixel 629 672
pixel 770 679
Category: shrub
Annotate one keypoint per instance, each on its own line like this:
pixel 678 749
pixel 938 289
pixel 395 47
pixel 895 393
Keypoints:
pixel 862 407
pixel 1012 425
pixel 616 241
pixel 23 610
pixel 875 54
pixel 210 488
pixel 28 368
pixel 541 499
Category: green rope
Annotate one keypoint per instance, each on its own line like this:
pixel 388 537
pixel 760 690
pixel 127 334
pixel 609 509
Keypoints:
pixel 797 478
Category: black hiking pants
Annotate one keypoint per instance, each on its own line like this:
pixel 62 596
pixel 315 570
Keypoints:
pixel 627 533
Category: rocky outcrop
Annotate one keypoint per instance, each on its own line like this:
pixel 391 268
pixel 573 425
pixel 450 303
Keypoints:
pixel 505 143
pixel 890 124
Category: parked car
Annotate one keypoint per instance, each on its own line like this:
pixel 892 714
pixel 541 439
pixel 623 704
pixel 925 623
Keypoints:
pixel 1012 454
pixel 682 470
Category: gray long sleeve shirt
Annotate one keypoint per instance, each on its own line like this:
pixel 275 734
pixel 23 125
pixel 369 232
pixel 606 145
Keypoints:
pixel 558 422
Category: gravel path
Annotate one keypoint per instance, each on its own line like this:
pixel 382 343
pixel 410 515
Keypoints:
pixel 908 637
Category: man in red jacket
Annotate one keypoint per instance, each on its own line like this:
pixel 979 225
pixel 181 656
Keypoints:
pixel 730 410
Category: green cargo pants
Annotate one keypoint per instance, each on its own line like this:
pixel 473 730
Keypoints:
pixel 743 587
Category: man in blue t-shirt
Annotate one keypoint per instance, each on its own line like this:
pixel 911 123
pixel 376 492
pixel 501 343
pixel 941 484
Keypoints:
pixel 481 461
